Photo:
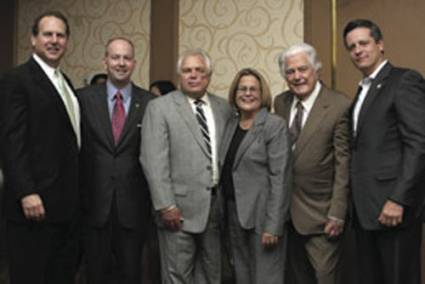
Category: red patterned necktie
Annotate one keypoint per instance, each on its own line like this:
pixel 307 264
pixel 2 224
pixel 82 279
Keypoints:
pixel 118 117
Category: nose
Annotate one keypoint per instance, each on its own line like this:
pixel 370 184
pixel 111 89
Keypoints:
pixel 297 75
pixel 121 61
pixel 54 37
pixel 357 49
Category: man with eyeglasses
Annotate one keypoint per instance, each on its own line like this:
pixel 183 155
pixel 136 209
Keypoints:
pixel 318 125
pixel 180 136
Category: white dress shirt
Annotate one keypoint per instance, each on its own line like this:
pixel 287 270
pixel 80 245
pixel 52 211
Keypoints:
pixel 50 72
pixel 365 84
pixel 212 132
pixel 307 105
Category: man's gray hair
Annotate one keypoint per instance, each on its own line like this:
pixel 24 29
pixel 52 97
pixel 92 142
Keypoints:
pixel 195 52
pixel 296 49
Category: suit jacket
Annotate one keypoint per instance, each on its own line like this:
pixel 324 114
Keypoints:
pixel 39 145
pixel 175 157
pixel 321 161
pixel 261 172
pixel 110 170
pixel 388 155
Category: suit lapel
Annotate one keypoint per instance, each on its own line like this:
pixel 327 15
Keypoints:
pixel 317 114
pixel 42 80
pixel 102 113
pixel 251 135
pixel 375 89
pixel 228 136
pixel 186 112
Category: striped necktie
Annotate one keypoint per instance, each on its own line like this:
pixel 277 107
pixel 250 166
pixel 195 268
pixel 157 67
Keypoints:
pixel 202 120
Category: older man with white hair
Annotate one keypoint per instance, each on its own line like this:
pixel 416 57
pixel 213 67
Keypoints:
pixel 317 120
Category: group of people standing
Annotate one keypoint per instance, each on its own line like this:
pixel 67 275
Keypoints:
pixel 85 167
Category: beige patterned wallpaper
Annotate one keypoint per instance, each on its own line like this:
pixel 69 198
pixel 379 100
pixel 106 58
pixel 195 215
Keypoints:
pixel 241 33
pixel 236 33
pixel 92 23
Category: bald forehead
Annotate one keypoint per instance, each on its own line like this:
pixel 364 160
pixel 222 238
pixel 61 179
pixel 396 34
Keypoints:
pixel 119 43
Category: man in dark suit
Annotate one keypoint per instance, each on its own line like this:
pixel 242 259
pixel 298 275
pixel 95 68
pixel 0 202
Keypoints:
pixel 115 192
pixel 181 133
pixel 388 160
pixel 40 147
pixel 321 158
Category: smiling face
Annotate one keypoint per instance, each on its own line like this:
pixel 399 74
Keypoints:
pixel 51 41
pixel 248 95
pixel 366 53
pixel 300 75
pixel 194 76
pixel 119 62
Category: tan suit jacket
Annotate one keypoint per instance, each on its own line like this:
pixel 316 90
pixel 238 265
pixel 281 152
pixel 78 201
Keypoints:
pixel 321 161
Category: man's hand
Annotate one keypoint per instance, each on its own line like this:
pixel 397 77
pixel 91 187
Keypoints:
pixel 269 240
pixel 172 218
pixel 33 207
pixel 391 214
pixel 333 228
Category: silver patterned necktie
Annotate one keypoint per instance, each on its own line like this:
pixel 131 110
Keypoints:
pixel 64 93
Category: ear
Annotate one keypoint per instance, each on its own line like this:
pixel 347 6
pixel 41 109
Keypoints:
pixel 33 40
pixel 381 46
pixel 104 63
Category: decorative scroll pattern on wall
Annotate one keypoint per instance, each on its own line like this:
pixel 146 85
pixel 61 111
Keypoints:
pixel 93 23
pixel 241 33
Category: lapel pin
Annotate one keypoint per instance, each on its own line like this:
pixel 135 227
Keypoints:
pixel 378 86
pixel 137 105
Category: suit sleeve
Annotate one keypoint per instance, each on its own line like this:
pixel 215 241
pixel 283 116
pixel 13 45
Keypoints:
pixel 278 157
pixel 410 111
pixel 154 156
pixel 16 153
pixel 340 188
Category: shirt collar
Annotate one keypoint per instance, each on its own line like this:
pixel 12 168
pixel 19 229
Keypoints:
pixel 49 70
pixel 367 80
pixel 204 98
pixel 112 91
pixel 309 101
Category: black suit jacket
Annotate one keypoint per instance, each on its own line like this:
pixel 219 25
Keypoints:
pixel 39 146
pixel 109 169
pixel 388 154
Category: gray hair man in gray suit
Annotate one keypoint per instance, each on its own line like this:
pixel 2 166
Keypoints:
pixel 180 136
pixel 318 123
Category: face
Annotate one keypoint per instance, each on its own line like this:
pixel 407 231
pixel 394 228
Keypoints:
pixel 248 97
pixel 194 76
pixel 300 75
pixel 51 41
pixel 365 52
pixel 119 62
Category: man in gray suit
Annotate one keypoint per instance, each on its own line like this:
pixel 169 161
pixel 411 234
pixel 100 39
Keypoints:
pixel 318 122
pixel 180 136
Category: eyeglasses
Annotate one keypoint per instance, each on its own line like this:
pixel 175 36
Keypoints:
pixel 247 89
